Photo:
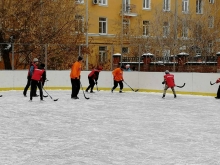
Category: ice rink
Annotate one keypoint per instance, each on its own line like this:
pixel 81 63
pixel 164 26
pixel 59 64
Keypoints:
pixel 131 128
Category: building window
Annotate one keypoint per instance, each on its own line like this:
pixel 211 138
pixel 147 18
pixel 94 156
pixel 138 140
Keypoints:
pixel 185 6
pixel 166 55
pixel 124 50
pixel 102 54
pixel 126 24
pixel 198 51
pixel 146 4
pixel 102 25
pixel 185 32
pixel 198 6
pixel 79 1
pixel 198 32
pixel 146 26
pixel 210 21
pixel 165 29
pixel 211 1
pixel 209 48
pixel 78 23
pixel 103 2
pixel 166 5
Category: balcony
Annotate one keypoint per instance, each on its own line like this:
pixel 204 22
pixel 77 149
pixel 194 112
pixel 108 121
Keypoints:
pixel 129 10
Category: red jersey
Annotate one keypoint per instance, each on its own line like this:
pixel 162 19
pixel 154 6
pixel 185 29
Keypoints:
pixel 169 79
pixel 218 80
pixel 37 74
pixel 94 74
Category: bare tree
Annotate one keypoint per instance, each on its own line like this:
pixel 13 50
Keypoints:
pixel 50 29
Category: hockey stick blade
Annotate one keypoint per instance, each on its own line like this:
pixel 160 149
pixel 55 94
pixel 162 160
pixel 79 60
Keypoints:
pixel 181 86
pixel 130 87
pixel 212 83
pixel 83 92
pixel 85 96
pixel 50 95
pixel 97 88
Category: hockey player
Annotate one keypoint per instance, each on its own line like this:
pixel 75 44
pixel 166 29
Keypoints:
pixel 75 77
pixel 39 76
pixel 218 92
pixel 118 78
pixel 33 66
pixel 169 83
pixel 93 78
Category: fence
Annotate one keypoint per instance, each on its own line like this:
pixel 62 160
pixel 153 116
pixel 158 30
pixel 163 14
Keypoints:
pixel 18 56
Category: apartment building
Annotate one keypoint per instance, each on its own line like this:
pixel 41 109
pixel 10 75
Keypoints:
pixel 160 27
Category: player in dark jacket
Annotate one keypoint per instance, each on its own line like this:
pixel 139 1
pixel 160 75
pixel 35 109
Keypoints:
pixel 93 78
pixel 39 76
pixel 218 92
pixel 33 66
pixel 169 83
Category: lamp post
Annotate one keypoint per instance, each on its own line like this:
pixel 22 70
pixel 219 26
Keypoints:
pixel 122 31
pixel 175 34
pixel 87 45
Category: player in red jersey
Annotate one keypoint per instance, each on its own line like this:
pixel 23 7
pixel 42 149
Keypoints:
pixel 93 78
pixel 169 83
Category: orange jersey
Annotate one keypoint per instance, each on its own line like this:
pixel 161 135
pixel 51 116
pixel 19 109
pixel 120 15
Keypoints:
pixel 75 70
pixel 118 74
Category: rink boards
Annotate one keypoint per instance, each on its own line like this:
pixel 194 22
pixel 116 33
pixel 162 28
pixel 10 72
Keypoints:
pixel 196 83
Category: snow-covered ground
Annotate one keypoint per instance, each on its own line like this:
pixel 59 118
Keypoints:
pixel 130 128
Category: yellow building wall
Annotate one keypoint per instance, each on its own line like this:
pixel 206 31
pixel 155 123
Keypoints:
pixel 112 13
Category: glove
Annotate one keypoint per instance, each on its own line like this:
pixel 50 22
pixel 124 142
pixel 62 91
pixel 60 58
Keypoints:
pixel 163 82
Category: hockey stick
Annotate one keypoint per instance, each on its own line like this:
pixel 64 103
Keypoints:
pixel 42 88
pixel 83 91
pixel 212 83
pixel 130 87
pixel 49 95
pixel 97 87
pixel 181 86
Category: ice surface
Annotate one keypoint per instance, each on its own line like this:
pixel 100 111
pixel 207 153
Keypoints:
pixel 130 128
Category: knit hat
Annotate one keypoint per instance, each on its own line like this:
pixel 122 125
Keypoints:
pixel 167 71
pixel 99 68
pixel 42 65
pixel 80 58
pixel 35 60
pixel 122 67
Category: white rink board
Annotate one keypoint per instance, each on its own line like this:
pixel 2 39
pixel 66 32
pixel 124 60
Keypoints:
pixel 195 82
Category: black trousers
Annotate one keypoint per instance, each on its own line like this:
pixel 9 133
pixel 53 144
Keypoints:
pixel 75 87
pixel 28 85
pixel 91 84
pixel 218 92
pixel 35 84
pixel 116 84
